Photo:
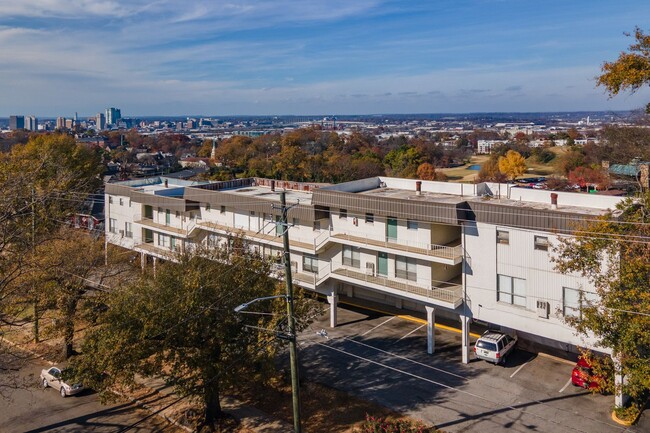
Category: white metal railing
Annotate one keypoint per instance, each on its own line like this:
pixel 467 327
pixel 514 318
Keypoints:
pixel 427 288
pixel 429 249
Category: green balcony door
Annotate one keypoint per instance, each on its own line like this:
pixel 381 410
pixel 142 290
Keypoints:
pixel 382 264
pixel 391 228
pixel 168 217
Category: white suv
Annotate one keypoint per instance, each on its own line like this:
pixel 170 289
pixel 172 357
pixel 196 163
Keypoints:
pixel 494 346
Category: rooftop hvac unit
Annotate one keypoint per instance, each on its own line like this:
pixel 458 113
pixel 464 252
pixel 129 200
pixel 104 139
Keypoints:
pixel 370 269
pixel 542 309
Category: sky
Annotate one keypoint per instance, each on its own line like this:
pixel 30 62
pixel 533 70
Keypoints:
pixel 275 57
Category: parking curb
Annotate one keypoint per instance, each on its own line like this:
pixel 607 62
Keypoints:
pixel 622 422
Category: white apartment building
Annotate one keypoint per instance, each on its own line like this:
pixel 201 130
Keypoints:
pixel 467 252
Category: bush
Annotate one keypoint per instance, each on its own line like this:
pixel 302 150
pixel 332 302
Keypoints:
pixel 386 425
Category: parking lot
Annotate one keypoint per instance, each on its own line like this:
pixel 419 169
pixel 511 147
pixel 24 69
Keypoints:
pixel 383 358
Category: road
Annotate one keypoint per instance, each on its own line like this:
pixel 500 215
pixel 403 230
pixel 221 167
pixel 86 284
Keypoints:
pixel 32 409
pixel 383 358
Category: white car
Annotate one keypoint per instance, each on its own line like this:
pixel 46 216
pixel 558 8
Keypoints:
pixel 494 346
pixel 52 377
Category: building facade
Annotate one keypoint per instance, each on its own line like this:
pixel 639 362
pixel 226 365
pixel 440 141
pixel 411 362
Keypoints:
pixel 113 115
pixel 16 122
pixel 467 252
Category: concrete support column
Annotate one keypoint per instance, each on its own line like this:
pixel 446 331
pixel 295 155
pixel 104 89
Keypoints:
pixel 155 259
pixel 431 321
pixel 464 327
pixel 333 299
pixel 143 261
pixel 619 397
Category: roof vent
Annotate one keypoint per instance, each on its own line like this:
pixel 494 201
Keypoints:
pixel 553 200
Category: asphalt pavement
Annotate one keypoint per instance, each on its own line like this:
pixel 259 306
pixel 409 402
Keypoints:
pixel 383 358
pixel 31 409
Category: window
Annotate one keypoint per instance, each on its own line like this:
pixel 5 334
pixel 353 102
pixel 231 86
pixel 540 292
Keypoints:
pixel 343 214
pixel 212 240
pixel 127 230
pixel 411 225
pixel 207 206
pixel 172 243
pixel 406 268
pixel 503 237
pixel 222 210
pixel 121 201
pixel 112 225
pixel 163 240
pixel 110 199
pixel 574 300
pixel 178 214
pixel 351 256
pixel 541 243
pixel 310 263
pixel 511 290
pixel 370 218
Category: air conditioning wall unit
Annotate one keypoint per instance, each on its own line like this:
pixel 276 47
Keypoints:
pixel 370 269
pixel 542 309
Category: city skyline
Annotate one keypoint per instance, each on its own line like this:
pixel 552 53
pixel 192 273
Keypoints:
pixel 281 57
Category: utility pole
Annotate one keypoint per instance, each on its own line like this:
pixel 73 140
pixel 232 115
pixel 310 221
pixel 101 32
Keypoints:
pixel 36 312
pixel 293 350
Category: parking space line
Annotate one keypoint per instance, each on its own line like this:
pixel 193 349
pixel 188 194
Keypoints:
pixel 521 366
pixel 419 327
pixel 565 385
pixel 381 324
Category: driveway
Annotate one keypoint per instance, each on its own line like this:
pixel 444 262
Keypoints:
pixel 383 358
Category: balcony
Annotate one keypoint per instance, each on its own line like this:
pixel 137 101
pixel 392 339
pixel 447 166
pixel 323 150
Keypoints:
pixel 446 294
pixel 449 254
pixel 266 238
pixel 167 229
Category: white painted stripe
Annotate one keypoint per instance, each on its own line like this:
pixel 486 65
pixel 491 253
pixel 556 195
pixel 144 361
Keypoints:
pixel 381 324
pixel 406 359
pixel 520 367
pixel 419 327
pixel 565 385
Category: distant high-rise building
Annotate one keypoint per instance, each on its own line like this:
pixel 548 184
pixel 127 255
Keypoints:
pixel 31 123
pixel 16 122
pixel 60 123
pixel 69 123
pixel 113 115
pixel 100 121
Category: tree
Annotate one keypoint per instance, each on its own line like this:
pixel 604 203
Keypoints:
pixel 585 176
pixel 614 255
pixel 490 172
pixel 631 70
pixel 69 266
pixel 512 165
pixel 181 325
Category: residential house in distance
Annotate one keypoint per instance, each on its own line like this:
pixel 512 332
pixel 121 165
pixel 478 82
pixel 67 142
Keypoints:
pixel 466 252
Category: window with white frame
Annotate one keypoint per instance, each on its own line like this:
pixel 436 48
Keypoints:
pixel 310 263
pixel 411 225
pixel 121 201
pixel 406 268
pixel 112 225
pixel 541 243
pixel 110 199
pixel 351 256
pixel 574 300
pixel 163 240
pixel 503 237
pixel 511 290
pixel 370 218
pixel 128 231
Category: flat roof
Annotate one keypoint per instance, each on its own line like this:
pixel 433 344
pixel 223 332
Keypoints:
pixel 264 192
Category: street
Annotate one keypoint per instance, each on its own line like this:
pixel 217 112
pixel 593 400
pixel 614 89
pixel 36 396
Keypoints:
pixel 34 409
pixel 383 358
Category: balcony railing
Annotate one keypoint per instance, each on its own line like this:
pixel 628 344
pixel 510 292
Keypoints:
pixel 442 251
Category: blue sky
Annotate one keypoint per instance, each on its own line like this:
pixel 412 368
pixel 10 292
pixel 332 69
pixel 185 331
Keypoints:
pixel 167 57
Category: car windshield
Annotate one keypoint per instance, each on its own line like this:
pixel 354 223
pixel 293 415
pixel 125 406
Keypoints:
pixel 486 345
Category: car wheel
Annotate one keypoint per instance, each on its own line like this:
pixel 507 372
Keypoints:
pixel 63 392
pixel 45 384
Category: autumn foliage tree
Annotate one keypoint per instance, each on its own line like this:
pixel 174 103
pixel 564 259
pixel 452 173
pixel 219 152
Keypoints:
pixel 586 176
pixel 512 164
pixel 613 253
pixel 631 70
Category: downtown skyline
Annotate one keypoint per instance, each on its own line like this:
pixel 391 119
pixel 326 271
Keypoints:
pixel 283 57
